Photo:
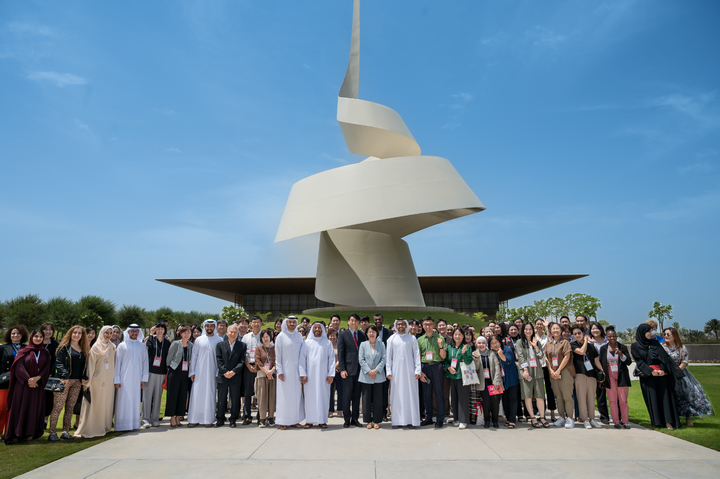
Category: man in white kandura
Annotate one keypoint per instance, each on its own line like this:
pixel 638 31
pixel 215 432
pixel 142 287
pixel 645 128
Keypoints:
pixel 131 375
pixel 289 345
pixel 318 366
pixel 203 373
pixel 403 369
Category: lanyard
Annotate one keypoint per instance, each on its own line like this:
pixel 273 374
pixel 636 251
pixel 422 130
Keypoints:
pixel 484 361
pixel 162 345
pixel 185 354
pixel 267 353
pixel 428 346
pixel 37 357
pixel 16 348
pixel 458 351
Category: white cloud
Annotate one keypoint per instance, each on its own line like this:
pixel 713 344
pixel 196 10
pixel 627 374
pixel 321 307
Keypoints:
pixel 59 79
pixel 29 28
pixel 544 37
pixel 165 111
pixel 173 150
pixel 463 96
pixel 80 125
pixel 694 106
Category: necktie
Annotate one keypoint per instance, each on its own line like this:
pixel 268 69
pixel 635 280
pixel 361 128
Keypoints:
pixel 355 338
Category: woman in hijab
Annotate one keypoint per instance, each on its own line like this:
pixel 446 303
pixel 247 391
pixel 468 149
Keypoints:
pixel 15 339
pixel 658 375
pixel 26 396
pixel 96 415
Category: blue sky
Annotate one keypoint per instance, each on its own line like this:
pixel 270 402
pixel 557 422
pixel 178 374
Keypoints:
pixel 143 140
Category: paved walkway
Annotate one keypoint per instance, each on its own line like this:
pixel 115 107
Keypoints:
pixel 387 453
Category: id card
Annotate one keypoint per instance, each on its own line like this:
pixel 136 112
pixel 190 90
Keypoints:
pixel 516 356
pixel 588 365
pixel 107 365
pixel 156 362
pixel 184 365
pixel 614 367
pixel 251 355
pixel 555 362
pixel 533 362
pixel 453 363
pixel 267 366
pixel 486 373
pixel 429 356
pixel 502 371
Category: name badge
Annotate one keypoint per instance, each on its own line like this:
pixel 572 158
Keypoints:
pixel 516 356
pixel 267 366
pixel 184 365
pixel 502 371
pixel 156 361
pixel 453 363
pixel 533 362
pixel 251 355
pixel 588 365
pixel 555 362
pixel 107 365
pixel 429 356
pixel 614 367
pixel 486 373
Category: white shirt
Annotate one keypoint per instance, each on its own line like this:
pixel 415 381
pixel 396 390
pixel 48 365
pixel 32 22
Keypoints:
pixel 252 341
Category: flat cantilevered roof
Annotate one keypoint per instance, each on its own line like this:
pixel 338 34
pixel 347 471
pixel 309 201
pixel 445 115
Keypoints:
pixel 507 286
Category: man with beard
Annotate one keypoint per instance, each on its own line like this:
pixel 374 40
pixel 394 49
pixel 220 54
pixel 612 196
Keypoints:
pixel 318 366
pixel 289 349
pixel 203 374
pixel 131 375
pixel 403 369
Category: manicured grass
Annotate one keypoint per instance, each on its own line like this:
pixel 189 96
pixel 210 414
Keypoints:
pixel 390 317
pixel 706 431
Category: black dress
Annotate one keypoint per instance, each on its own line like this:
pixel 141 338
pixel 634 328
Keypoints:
pixel 178 384
pixel 658 391
pixel 49 398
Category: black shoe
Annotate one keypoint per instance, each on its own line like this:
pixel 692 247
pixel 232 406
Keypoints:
pixel 219 424
pixel 356 423
pixel 410 426
pixel 438 425
pixel 247 422
pixel 604 420
pixel 232 424
pixel 487 424
pixel 347 424
pixel 426 422
pixel 53 437
pixel 626 426
pixel 496 425
pixel 396 427
pixel 271 422
pixel 385 419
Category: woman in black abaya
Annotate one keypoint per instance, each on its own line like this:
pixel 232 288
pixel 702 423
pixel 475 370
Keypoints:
pixel 658 375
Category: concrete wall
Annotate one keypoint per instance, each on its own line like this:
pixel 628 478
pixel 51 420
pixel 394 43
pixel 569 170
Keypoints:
pixel 703 352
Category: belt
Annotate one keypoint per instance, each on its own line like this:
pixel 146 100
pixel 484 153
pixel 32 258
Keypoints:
pixel 433 363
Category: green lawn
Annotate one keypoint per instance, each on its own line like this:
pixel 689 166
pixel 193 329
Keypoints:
pixel 390 317
pixel 706 431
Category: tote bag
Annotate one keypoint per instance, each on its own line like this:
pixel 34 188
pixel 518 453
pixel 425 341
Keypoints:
pixel 469 374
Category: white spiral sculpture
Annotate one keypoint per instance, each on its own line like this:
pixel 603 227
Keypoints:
pixel 364 210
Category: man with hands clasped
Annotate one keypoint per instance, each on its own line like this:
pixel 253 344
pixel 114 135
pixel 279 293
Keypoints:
pixel 432 356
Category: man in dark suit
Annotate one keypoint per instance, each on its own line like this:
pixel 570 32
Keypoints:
pixel 385 334
pixel 230 355
pixel 348 346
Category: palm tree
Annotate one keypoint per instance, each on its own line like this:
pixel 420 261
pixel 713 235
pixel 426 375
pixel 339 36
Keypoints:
pixel 713 326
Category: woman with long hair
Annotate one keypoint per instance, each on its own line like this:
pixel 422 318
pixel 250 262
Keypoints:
pixel 70 364
pixel 26 396
pixel 542 333
pixel 458 352
pixel 15 339
pixel 96 415
pixel 597 338
pixel 691 397
pixel 532 383
pixel 51 345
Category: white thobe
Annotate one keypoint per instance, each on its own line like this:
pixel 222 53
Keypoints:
pixel 403 363
pixel 203 365
pixel 289 407
pixel 318 364
pixel 131 368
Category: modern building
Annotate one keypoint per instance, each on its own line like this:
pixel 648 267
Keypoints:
pixel 463 294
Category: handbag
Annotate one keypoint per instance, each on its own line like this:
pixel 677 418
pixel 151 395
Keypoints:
pixel 4 378
pixel 494 391
pixel 54 385
pixel 469 374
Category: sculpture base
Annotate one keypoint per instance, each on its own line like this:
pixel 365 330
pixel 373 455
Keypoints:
pixel 383 309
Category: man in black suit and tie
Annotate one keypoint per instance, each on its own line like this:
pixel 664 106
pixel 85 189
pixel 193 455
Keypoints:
pixel 348 345
pixel 230 355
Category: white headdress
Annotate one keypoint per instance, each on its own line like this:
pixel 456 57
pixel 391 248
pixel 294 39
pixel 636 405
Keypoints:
pixel 406 326
pixel 323 339
pixel 208 321
pixel 126 335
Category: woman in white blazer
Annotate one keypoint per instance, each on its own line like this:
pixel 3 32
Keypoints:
pixel 371 357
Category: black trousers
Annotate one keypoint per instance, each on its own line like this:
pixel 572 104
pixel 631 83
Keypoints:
pixel 460 399
pixel 233 387
pixel 602 404
pixel 372 402
pixel 385 397
pixel 435 374
pixel 248 386
pixel 351 397
pixel 491 405
pixel 551 404
pixel 510 401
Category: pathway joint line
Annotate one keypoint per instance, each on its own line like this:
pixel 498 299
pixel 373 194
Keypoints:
pixel 100 470
pixel 262 444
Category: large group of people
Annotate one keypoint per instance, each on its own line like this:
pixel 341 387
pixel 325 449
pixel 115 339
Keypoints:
pixel 412 374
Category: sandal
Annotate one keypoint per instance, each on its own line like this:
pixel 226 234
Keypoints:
pixel 534 423
pixel 307 426
pixel 510 425
pixel 323 426
pixel 282 428
pixel 192 425
pixel 544 423
pixel 298 426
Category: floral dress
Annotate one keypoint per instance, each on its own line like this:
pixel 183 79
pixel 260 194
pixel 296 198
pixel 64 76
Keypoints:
pixel 692 400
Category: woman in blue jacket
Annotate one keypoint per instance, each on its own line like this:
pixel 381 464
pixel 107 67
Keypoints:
pixel 371 357
pixel 511 395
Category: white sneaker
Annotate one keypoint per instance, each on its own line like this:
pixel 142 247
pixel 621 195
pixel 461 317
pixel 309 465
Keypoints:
pixel 560 422
pixel 463 425
pixel 456 424
pixel 448 419
pixel 587 425
pixel 594 424
pixel 145 425
pixel 569 424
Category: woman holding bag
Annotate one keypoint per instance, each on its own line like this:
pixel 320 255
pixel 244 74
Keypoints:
pixel 487 363
pixel 457 353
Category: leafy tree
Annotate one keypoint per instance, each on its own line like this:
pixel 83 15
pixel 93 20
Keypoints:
pixel 128 315
pixel 233 313
pixel 713 327
pixel 29 310
pixel 165 314
pixel 480 316
pixel 91 319
pixel 63 313
pixel 504 314
pixel 676 325
pixel 583 304
pixel 661 313
pixel 695 336
pixel 102 307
